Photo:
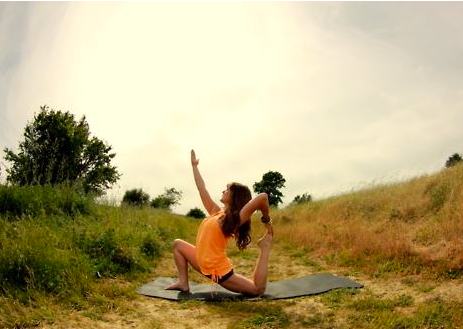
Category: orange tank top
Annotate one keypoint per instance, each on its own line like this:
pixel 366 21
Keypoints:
pixel 211 247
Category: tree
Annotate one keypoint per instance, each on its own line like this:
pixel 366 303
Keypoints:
pixel 58 149
pixel 453 160
pixel 300 199
pixel 271 182
pixel 136 197
pixel 169 198
pixel 196 213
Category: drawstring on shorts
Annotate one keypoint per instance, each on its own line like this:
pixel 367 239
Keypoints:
pixel 214 282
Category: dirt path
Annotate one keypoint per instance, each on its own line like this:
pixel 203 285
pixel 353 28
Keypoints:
pixel 145 313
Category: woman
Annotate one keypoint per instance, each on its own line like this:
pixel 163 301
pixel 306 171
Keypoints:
pixel 209 255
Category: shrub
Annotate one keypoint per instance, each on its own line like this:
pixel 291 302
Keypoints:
pixel 169 198
pixel 453 160
pixel 300 199
pixel 151 246
pixel 136 197
pixel 112 252
pixel 107 254
pixel 196 213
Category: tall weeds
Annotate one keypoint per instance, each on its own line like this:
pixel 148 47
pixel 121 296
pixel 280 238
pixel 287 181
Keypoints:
pixel 62 246
pixel 32 201
pixel 413 226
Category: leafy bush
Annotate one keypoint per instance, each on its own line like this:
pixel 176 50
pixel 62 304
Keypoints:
pixel 196 213
pixel 135 197
pixel 169 198
pixel 300 199
pixel 151 246
pixel 108 255
pixel 453 160
pixel 112 251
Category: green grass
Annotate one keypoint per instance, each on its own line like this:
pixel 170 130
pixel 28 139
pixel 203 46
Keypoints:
pixel 56 258
pixel 375 304
pixel 17 202
pixel 337 297
pixel 373 312
pixel 254 314
pixel 425 288
pixel 366 310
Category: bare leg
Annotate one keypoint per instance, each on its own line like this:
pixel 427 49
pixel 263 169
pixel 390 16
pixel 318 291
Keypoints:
pixel 255 287
pixel 184 253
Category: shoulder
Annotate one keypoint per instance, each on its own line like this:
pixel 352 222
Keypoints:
pixel 219 215
pixel 217 211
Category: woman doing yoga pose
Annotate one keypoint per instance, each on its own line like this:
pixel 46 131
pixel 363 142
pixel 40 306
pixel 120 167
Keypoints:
pixel 233 220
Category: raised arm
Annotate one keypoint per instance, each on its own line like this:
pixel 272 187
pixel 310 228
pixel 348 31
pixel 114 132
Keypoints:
pixel 260 202
pixel 208 203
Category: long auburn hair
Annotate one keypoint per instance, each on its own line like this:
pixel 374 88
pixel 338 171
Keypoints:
pixel 239 196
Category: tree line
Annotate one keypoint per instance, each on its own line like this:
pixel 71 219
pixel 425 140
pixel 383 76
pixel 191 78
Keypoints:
pixel 57 149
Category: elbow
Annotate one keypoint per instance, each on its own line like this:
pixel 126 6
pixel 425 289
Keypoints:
pixel 264 197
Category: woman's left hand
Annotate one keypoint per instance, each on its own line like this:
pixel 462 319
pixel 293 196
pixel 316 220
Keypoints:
pixel 194 161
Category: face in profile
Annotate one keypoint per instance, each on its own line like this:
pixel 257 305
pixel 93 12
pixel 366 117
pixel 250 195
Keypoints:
pixel 226 195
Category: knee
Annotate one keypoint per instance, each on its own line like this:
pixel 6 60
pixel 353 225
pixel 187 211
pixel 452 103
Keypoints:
pixel 176 244
pixel 257 291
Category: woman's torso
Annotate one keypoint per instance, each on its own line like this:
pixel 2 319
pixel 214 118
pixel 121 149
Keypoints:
pixel 211 247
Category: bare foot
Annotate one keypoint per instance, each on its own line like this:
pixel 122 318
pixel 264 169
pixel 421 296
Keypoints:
pixel 178 286
pixel 266 241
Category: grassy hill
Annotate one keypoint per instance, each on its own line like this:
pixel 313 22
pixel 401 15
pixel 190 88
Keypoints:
pixel 58 250
pixel 409 227
pixel 66 262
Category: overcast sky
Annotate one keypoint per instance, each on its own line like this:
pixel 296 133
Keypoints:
pixel 334 96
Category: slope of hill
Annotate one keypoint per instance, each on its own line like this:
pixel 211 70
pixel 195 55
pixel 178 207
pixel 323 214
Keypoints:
pixel 409 227
pixel 61 267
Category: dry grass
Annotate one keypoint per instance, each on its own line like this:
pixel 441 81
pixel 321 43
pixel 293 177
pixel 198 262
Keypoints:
pixel 418 225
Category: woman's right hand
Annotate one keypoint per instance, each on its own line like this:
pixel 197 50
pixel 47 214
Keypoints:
pixel 194 161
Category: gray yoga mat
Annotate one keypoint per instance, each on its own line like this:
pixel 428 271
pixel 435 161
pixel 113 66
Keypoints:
pixel 307 285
